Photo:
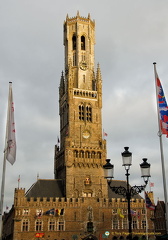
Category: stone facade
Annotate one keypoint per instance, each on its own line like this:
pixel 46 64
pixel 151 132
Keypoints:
pixel 78 203
pixel 68 218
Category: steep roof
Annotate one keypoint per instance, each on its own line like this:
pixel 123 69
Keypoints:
pixel 46 188
pixel 54 188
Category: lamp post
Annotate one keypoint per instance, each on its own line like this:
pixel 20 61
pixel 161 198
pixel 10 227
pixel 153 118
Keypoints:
pixel 128 192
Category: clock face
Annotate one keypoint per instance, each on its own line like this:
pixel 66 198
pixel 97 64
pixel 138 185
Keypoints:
pixel 83 65
pixel 86 134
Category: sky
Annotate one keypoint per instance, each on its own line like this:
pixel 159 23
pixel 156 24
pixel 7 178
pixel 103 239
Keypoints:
pixel 130 36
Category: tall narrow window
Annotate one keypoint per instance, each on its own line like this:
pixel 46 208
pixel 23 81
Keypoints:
pixel 75 153
pixel 134 223
pixel 125 224
pixel 74 42
pixel 115 223
pixel 88 113
pixel 82 43
pixel 61 226
pixel 38 226
pixel 99 155
pixel 93 154
pixel 51 226
pixel 81 112
pixel 85 113
pixel 143 224
pixel 25 225
pixel 74 59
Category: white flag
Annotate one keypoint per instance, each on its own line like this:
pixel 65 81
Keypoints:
pixel 10 148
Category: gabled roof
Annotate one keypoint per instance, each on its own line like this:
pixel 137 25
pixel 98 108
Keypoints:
pixel 118 183
pixel 46 188
pixel 160 206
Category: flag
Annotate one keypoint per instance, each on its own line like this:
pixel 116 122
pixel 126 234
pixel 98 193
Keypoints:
pixel 50 212
pixel 119 213
pixel 139 216
pixel 105 134
pixel 62 211
pixel 151 184
pixel 148 202
pixel 10 143
pixel 57 212
pixel 133 213
pixel 39 214
pixel 162 105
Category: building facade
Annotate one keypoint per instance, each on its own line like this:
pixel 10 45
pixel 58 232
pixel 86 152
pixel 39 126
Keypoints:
pixel 159 217
pixel 78 203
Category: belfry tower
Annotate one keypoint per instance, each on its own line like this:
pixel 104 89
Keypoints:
pixel 81 153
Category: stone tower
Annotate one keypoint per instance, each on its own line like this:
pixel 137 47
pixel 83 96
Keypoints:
pixel 81 151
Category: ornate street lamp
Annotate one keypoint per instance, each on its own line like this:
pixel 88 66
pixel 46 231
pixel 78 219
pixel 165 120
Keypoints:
pixel 129 191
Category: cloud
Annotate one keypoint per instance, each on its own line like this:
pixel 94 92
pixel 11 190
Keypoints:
pixel 130 36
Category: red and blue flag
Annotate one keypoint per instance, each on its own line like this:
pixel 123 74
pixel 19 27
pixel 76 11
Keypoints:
pixel 148 202
pixel 163 109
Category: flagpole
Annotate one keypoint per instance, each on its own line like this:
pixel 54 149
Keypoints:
pixel 2 194
pixel 161 152
pixel 10 149
pixel 3 174
pixel 146 219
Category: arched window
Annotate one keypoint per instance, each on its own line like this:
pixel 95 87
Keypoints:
pixel 99 155
pixel 82 43
pixel 87 154
pixel 81 154
pixel 93 154
pixel 74 42
pixel 75 153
